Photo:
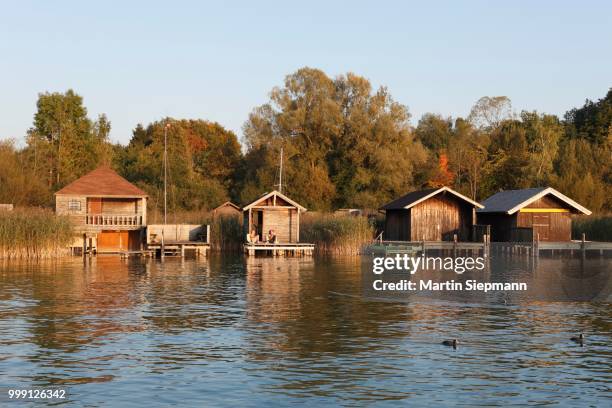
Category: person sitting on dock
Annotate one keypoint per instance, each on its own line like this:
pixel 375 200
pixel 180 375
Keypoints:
pixel 253 237
pixel 271 238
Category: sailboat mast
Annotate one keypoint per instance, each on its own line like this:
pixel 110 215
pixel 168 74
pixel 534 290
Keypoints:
pixel 280 172
pixel 166 171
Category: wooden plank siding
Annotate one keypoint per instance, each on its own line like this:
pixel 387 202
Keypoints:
pixel 549 217
pixel 274 211
pixel 501 225
pixel 439 218
pixel 552 226
pixel 94 214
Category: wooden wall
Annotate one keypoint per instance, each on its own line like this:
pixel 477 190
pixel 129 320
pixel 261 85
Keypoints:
pixel 136 205
pixel 440 218
pixel 437 219
pixel 120 205
pixel 547 202
pixel 553 227
pixel 227 210
pixel 501 225
pixel 283 221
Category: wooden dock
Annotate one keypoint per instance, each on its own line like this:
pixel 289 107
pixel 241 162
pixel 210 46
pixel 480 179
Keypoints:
pixel 534 248
pixel 178 248
pixel 423 247
pixel 145 253
pixel 287 249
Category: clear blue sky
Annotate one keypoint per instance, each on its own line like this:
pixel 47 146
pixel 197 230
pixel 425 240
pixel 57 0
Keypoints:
pixel 139 62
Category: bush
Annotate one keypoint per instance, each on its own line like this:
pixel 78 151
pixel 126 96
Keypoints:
pixel 595 228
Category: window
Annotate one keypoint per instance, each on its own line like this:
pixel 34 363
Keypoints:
pixel 74 205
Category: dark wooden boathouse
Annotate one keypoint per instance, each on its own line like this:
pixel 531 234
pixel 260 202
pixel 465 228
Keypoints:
pixel 437 214
pixel 541 213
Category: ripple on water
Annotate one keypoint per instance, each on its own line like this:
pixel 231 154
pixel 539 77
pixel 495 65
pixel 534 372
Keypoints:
pixel 230 331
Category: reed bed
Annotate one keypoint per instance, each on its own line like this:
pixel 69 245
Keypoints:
pixel 595 228
pixel 336 234
pixel 34 234
pixel 225 233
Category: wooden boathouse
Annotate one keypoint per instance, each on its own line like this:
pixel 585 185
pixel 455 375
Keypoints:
pixel 540 214
pixel 227 209
pixel 274 211
pixel 437 214
pixel 108 212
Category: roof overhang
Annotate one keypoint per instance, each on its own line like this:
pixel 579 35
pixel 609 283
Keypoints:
pixel 270 194
pixel 438 191
pixel 554 193
pixel 100 195
pixel 227 203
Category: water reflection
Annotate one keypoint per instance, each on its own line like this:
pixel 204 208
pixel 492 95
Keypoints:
pixel 264 330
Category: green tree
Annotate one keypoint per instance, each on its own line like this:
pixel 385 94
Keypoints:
pixel 543 134
pixel 468 154
pixel 434 131
pixel 344 144
pixel 593 121
pixel 490 111
pixel 64 143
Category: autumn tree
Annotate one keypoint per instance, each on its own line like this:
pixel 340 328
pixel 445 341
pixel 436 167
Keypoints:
pixel 202 160
pixel 19 184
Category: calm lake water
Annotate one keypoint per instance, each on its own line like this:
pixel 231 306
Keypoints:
pixel 230 331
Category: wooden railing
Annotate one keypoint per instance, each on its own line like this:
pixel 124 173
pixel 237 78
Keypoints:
pixel 114 220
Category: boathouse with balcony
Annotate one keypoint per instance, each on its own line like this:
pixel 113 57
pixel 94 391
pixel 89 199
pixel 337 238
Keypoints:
pixel 108 212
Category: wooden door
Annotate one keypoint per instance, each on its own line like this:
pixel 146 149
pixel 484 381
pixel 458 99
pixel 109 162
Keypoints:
pixel 113 241
pixel 541 226
pixel 94 205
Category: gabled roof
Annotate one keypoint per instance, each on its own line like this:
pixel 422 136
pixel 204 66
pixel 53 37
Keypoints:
pixel 512 201
pixel 102 182
pixel 227 204
pixel 415 197
pixel 271 194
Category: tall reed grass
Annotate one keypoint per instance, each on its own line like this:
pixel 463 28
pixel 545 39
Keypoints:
pixel 595 228
pixel 225 233
pixel 336 234
pixel 34 233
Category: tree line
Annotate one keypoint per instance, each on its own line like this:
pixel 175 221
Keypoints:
pixel 344 144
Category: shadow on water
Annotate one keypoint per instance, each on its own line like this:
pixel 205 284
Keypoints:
pixel 261 330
